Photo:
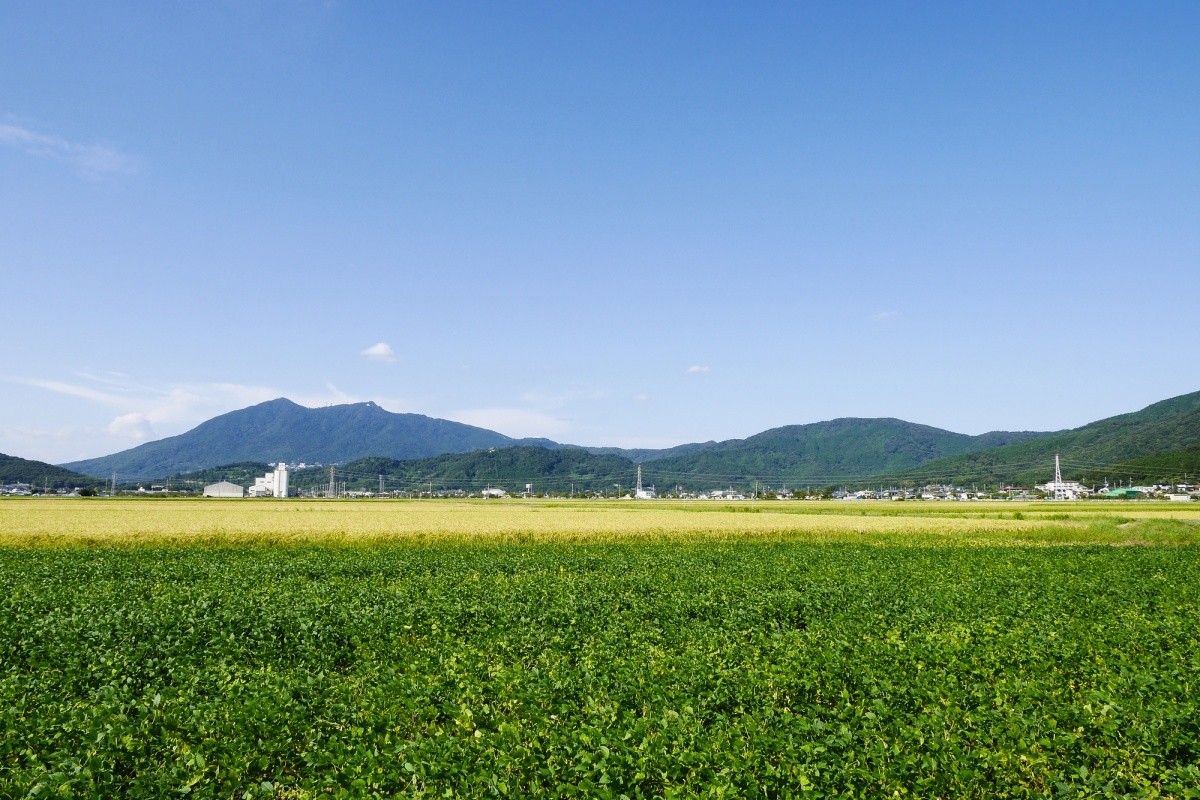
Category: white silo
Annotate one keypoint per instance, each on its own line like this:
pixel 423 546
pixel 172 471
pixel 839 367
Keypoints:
pixel 281 480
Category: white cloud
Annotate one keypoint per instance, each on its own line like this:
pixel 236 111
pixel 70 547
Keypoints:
pixel 132 426
pixel 380 352
pixel 96 161
pixel 697 370
pixel 516 422
pixel 885 316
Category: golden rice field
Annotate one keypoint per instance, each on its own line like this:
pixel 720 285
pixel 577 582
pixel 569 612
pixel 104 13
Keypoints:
pixel 116 522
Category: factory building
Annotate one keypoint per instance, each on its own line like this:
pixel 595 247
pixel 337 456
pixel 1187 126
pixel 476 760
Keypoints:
pixel 273 484
pixel 224 489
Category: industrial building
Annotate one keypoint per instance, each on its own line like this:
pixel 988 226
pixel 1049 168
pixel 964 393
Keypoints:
pixel 273 484
pixel 224 489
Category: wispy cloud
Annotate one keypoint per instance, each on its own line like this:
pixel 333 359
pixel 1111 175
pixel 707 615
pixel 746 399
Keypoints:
pixel 696 369
pixel 94 161
pixel 74 390
pixel 380 352
pixel 885 316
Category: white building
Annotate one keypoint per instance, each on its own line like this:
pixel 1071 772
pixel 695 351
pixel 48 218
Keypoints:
pixel 224 489
pixel 273 484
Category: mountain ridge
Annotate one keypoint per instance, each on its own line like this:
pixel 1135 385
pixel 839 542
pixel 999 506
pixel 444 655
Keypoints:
pixel 845 450
pixel 1163 427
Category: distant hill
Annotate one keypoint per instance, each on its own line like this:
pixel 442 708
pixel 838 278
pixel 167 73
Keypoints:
pixel 1116 447
pixel 823 452
pixel 510 468
pixel 242 473
pixel 280 430
pixel 39 473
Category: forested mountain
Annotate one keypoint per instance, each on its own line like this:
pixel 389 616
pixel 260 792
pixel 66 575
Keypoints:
pixel 1117 447
pixel 280 430
pixel 824 452
pixel 841 451
pixel 41 474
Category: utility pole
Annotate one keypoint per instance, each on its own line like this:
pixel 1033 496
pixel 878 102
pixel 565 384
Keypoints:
pixel 332 487
pixel 381 484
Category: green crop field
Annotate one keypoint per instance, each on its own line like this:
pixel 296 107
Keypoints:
pixel 428 649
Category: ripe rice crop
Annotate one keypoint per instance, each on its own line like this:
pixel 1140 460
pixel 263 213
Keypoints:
pixel 303 650
pixel 139 522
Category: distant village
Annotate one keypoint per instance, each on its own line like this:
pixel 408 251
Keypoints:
pixel 277 483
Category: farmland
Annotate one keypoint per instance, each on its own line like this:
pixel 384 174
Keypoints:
pixel 293 649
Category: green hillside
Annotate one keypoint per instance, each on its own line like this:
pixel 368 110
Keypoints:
pixel 280 430
pixel 242 473
pixel 41 474
pixel 507 468
pixel 823 452
pixel 1177 466
pixel 1094 450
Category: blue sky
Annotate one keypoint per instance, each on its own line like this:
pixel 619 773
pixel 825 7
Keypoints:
pixel 631 224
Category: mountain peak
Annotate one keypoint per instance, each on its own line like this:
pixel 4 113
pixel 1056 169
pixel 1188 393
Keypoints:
pixel 282 430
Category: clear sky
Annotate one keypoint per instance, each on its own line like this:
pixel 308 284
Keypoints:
pixel 608 223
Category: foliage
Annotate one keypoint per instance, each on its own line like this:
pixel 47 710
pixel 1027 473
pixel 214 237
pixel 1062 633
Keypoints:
pixel 1108 444
pixel 1175 466
pixel 511 468
pixel 836 451
pixel 718 668
pixel 242 473
pixel 40 474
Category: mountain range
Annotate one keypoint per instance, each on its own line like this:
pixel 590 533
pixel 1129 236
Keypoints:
pixel 416 448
